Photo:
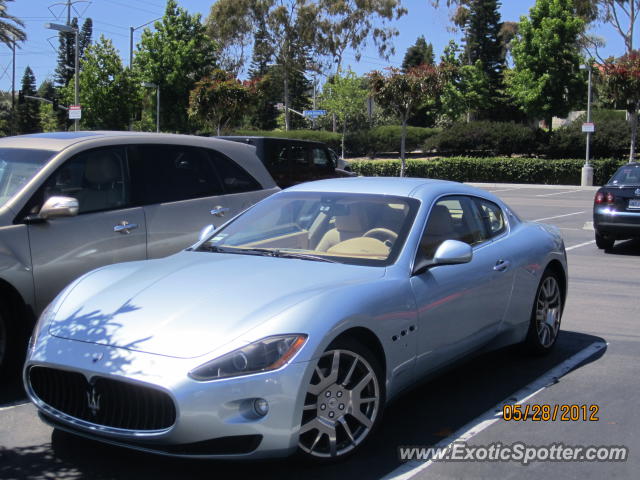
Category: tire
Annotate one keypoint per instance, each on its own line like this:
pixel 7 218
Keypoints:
pixel 603 242
pixel 7 343
pixel 546 315
pixel 344 402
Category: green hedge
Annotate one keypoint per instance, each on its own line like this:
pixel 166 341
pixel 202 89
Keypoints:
pixel 485 138
pixel 492 170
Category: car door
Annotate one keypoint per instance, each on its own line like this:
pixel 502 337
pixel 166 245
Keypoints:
pixel 107 229
pixel 179 188
pixel 460 307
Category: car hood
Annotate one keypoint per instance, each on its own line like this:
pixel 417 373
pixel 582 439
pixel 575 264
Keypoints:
pixel 192 303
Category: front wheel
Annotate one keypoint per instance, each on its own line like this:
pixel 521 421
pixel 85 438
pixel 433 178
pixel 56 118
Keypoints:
pixel 343 404
pixel 546 315
pixel 604 243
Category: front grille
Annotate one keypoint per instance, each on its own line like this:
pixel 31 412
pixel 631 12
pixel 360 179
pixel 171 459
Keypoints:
pixel 104 401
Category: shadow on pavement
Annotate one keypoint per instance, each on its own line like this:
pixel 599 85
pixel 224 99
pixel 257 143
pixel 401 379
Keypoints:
pixel 423 416
pixel 629 247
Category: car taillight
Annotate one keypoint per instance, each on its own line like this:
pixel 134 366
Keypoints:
pixel 605 197
pixel 610 198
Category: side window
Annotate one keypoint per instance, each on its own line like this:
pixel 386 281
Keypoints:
pixel 276 157
pixel 320 158
pixel 171 173
pixel 234 178
pixel 492 217
pixel 452 218
pixel 298 155
pixel 96 178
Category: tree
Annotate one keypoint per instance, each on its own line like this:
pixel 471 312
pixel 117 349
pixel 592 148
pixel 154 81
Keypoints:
pixel 220 99
pixel 10 26
pixel 482 40
pixel 622 81
pixel 109 93
pixel 67 50
pixel 467 88
pixel 400 92
pixel 175 56
pixel 546 80
pixel 420 53
pixel 345 97
pixel 28 113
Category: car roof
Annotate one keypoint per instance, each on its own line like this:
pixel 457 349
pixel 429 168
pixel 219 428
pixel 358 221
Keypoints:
pixel 58 141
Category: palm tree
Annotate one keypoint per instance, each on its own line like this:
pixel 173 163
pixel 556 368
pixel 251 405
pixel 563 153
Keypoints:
pixel 10 33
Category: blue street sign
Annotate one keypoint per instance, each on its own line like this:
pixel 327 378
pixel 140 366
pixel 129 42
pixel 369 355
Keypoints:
pixel 314 113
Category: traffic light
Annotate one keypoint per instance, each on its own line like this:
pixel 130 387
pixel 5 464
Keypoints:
pixel 54 102
pixel 20 97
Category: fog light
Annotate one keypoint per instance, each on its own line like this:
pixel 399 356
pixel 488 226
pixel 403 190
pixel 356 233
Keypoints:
pixel 261 407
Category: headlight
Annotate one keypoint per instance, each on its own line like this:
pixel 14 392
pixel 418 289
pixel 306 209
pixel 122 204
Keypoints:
pixel 267 354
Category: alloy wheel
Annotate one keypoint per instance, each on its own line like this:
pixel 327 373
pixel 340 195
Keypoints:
pixel 341 405
pixel 548 311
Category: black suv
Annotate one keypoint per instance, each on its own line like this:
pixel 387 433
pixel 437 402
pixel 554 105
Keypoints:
pixel 294 161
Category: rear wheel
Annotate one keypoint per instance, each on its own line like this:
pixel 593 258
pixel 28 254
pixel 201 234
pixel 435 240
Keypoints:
pixel 603 242
pixel 546 315
pixel 343 404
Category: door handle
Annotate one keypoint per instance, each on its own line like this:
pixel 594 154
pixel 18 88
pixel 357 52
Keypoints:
pixel 502 265
pixel 124 227
pixel 219 211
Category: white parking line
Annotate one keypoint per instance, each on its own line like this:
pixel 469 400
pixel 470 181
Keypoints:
pixel 580 245
pixel 557 216
pixel 505 189
pixel 471 429
pixel 14 405
pixel 557 193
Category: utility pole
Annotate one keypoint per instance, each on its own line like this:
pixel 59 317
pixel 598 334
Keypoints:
pixel 13 86
pixel 587 169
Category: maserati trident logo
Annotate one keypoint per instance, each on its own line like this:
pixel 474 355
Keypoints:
pixel 637 192
pixel 93 401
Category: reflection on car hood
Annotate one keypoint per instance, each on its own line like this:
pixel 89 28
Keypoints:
pixel 192 303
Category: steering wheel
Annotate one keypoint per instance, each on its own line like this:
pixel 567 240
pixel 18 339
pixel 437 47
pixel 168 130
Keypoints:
pixel 385 235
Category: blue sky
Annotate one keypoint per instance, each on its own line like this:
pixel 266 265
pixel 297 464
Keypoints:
pixel 113 18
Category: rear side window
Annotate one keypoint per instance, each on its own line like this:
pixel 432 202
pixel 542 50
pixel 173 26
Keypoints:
pixel 234 178
pixel 492 217
pixel 320 158
pixel 170 173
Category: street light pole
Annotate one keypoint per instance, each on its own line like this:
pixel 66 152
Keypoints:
pixel 76 32
pixel 587 169
pixel 133 29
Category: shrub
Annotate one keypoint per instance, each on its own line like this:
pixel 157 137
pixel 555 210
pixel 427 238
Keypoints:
pixel 492 170
pixel 611 138
pixel 485 138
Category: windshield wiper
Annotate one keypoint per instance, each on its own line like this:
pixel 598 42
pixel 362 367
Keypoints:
pixel 216 249
pixel 274 252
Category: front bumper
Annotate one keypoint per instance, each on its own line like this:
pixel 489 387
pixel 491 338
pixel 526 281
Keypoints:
pixel 211 417
pixel 616 223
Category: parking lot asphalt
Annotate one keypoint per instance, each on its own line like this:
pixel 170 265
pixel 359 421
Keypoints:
pixel 602 309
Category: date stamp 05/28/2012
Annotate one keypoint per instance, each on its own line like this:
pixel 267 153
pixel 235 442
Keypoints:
pixel 550 413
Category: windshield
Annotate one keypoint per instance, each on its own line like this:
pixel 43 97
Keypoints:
pixel 627 175
pixel 17 167
pixel 347 228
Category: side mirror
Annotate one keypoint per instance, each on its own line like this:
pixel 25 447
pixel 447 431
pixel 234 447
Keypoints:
pixel 59 207
pixel 206 231
pixel 453 252
pixel 450 252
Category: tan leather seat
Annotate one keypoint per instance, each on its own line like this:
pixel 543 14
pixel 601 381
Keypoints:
pixel 353 224
pixel 439 228
pixel 101 190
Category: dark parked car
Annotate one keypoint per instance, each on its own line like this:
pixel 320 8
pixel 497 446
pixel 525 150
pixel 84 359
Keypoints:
pixel 295 161
pixel 616 207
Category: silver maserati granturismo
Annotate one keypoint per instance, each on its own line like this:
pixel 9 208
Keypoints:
pixel 292 325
